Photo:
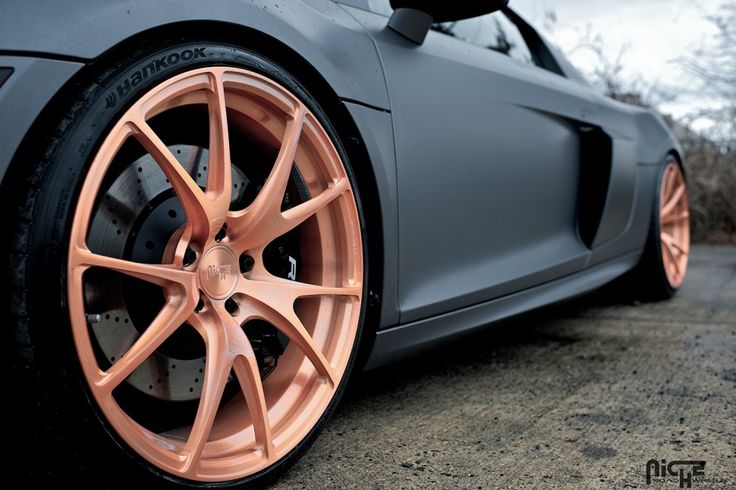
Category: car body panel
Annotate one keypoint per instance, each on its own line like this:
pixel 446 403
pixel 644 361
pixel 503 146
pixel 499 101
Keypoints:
pixel 621 187
pixel 479 208
pixel 33 83
pixel 605 264
pixel 319 30
pixel 45 58
pixel 634 234
pixel 515 225
pixel 413 338
pixel 376 129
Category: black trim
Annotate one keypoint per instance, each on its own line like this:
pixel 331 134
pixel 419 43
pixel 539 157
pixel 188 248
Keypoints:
pixel 41 54
pixel 369 106
pixel 596 153
pixel 5 73
pixel 442 11
pixel 540 52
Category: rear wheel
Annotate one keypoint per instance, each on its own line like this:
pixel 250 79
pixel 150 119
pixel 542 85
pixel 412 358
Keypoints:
pixel 208 233
pixel 663 266
pixel 674 225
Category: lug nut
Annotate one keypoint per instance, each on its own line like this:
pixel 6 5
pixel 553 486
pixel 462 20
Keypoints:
pixel 246 263
pixel 190 256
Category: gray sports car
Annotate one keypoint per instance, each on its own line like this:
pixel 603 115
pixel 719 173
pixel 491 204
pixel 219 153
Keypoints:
pixel 216 211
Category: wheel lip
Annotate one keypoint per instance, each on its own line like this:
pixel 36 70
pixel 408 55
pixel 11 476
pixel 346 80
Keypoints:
pixel 674 260
pixel 76 309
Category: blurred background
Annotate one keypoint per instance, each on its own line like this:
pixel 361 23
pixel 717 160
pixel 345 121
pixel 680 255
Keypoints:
pixel 675 56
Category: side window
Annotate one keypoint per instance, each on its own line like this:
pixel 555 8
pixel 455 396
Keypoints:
pixel 492 31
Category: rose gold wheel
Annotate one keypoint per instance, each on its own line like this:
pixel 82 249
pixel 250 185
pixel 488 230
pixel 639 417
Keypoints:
pixel 674 224
pixel 214 278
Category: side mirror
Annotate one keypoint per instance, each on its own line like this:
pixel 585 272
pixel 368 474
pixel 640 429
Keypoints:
pixel 413 18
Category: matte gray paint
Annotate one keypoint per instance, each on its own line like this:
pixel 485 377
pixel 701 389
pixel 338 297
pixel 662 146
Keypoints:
pixel 484 211
pixel 524 116
pixel 377 131
pixel 24 95
pixel 318 30
pixel 652 136
pixel 382 7
pixel 634 234
pixel 620 198
pixel 400 342
pixel 654 139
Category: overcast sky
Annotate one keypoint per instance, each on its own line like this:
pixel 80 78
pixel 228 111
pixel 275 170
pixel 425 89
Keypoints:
pixel 657 32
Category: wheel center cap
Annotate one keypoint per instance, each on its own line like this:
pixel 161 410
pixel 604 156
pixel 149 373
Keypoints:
pixel 218 272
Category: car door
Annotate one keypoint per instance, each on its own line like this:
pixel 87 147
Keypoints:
pixel 488 163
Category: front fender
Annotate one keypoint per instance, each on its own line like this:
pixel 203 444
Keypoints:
pixel 318 30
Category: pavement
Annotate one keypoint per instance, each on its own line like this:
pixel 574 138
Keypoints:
pixel 579 395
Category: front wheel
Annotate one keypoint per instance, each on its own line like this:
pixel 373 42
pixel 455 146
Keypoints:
pixel 206 228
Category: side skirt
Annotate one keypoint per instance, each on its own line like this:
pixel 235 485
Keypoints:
pixel 399 342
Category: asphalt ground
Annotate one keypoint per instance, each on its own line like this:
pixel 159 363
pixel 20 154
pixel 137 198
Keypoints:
pixel 579 395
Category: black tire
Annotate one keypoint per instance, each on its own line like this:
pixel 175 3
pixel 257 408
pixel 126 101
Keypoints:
pixel 648 281
pixel 59 433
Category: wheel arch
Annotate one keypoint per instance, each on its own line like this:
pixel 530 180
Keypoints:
pixel 50 121
pixel 676 154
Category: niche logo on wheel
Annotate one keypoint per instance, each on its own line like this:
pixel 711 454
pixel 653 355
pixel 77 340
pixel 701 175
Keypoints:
pixel 149 70
pixel 218 271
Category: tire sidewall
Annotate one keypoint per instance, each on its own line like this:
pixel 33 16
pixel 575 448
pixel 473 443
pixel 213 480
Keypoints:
pixel 101 104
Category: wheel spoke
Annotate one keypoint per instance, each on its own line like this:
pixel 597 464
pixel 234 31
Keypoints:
pixel 248 374
pixel 266 207
pixel 673 260
pixel 265 287
pixel 273 190
pixel 674 217
pixel 279 224
pixel 249 377
pixel 191 196
pixel 674 243
pixel 217 369
pixel 165 275
pixel 680 246
pixel 168 320
pixel 281 315
pixel 219 177
pixel 669 183
pixel 298 214
pixel 227 347
pixel 272 300
pixel 673 200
